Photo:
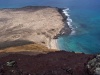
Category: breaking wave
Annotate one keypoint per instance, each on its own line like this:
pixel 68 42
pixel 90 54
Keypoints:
pixel 69 20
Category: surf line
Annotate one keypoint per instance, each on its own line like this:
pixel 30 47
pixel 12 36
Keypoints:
pixel 69 20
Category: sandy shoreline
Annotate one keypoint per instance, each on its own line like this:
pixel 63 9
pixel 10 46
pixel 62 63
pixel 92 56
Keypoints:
pixel 54 44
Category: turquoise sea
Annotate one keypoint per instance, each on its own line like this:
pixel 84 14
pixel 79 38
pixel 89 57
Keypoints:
pixel 85 15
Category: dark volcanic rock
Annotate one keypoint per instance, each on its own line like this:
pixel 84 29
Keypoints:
pixel 66 30
pixel 94 66
pixel 54 63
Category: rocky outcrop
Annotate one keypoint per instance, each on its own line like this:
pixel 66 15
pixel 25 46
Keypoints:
pixel 94 66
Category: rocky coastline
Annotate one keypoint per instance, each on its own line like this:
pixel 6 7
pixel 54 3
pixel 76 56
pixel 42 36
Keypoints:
pixel 66 30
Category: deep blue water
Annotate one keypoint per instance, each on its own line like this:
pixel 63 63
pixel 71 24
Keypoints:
pixel 85 15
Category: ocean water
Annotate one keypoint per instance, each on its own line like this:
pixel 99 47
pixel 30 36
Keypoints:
pixel 84 18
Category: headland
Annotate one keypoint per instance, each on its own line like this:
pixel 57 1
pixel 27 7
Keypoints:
pixel 32 24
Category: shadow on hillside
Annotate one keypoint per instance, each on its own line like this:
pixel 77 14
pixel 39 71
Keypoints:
pixel 31 8
pixel 15 43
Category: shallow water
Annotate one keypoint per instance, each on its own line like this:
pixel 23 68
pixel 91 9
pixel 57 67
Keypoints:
pixel 85 15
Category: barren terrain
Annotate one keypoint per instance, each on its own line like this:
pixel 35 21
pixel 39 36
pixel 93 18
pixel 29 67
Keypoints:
pixel 29 25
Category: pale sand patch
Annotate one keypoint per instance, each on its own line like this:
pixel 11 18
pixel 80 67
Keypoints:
pixel 53 44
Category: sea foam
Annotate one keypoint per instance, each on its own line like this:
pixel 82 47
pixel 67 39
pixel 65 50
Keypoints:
pixel 69 20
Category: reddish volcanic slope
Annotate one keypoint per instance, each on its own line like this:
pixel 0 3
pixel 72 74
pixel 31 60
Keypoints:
pixel 54 63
